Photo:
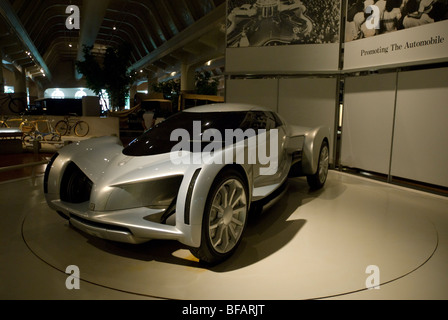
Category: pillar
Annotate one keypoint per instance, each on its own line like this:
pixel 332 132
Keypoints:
pixel 20 82
pixel 132 93
pixel 187 79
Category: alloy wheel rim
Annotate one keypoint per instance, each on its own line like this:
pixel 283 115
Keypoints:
pixel 323 164
pixel 227 216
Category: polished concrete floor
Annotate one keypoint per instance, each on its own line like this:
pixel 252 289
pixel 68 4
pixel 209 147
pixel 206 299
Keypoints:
pixel 330 244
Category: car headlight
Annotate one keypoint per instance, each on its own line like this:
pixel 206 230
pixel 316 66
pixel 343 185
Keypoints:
pixel 157 193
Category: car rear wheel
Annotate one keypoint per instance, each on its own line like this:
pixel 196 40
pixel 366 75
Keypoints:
pixel 318 180
pixel 225 218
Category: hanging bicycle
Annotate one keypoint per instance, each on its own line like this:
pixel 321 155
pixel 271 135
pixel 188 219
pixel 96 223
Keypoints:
pixel 15 105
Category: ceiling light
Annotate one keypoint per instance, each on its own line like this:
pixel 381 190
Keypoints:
pixel 115 28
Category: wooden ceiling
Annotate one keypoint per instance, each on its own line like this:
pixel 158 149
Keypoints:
pixel 163 33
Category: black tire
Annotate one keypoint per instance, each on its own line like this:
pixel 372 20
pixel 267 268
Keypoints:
pixel 82 128
pixel 17 106
pixel 220 242
pixel 61 127
pixel 317 180
pixel 55 137
pixel 27 139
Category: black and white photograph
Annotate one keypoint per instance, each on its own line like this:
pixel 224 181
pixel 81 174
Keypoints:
pixel 257 23
pixel 394 15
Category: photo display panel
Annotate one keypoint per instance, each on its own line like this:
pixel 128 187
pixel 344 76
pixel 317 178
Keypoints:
pixel 391 33
pixel 283 36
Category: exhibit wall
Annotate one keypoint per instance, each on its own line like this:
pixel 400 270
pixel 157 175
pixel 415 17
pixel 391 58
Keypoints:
pixel 367 127
pixel 294 56
pixel 420 146
pixel 304 101
pixel 260 92
pixel 309 102
pixel 397 124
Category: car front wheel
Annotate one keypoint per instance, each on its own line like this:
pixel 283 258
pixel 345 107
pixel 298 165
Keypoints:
pixel 225 217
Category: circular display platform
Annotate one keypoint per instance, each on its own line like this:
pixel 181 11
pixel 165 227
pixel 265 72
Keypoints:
pixel 307 246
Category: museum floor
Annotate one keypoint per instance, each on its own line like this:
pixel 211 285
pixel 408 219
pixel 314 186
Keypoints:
pixel 310 245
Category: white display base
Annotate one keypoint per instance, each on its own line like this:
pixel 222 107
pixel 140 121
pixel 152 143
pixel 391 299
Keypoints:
pixel 308 245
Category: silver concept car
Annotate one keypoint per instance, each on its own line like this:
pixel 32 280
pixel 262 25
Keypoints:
pixel 192 178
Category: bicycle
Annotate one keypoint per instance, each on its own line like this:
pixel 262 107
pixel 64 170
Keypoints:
pixel 41 131
pixel 64 127
pixel 14 123
pixel 16 105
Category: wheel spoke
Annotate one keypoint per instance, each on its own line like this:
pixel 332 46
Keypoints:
pixel 220 236
pixel 236 221
pixel 232 232
pixel 237 198
pixel 227 238
pixel 233 190
pixel 224 195
pixel 239 209
pixel 218 208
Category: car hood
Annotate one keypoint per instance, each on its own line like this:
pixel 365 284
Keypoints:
pixel 103 162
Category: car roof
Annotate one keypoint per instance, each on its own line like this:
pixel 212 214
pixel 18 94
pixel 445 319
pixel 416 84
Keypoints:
pixel 227 107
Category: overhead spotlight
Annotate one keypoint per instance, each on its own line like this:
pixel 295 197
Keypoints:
pixel 70 45
pixel 209 63
pixel 141 71
pixel 173 73
pixel 115 28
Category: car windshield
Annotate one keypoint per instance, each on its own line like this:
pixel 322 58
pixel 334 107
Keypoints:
pixel 159 139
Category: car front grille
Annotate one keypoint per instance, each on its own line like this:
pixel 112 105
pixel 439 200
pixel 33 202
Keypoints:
pixel 75 185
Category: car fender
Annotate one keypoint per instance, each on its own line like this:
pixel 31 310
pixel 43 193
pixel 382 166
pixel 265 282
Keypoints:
pixel 193 196
pixel 311 148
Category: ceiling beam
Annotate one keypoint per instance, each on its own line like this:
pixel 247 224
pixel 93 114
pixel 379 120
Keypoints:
pixel 8 13
pixel 182 39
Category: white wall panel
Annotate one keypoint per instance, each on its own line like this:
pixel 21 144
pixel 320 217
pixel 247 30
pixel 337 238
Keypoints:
pixel 368 122
pixel 309 102
pixel 261 92
pixel 421 130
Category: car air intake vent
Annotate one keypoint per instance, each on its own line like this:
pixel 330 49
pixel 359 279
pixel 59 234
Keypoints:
pixel 75 186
